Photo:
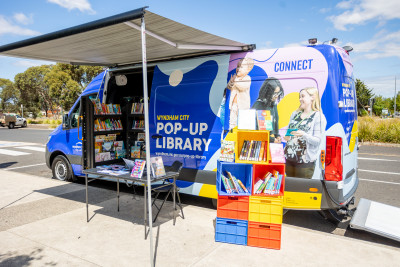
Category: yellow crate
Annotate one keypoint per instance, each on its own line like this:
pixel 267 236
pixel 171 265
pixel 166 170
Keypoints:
pixel 254 135
pixel 266 209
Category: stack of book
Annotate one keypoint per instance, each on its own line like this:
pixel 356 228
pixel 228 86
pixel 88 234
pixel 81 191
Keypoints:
pixel 270 184
pixel 232 184
pixel 254 150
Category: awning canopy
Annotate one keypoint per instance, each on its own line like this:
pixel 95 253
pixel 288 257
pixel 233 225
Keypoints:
pixel 116 41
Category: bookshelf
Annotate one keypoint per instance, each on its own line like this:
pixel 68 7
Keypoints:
pixel 135 128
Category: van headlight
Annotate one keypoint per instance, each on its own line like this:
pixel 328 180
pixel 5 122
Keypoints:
pixel 48 139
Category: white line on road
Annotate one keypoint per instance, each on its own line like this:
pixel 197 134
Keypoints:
pixel 12 153
pixel 376 181
pixel 7 169
pixel 378 159
pixel 395 173
pixel 34 148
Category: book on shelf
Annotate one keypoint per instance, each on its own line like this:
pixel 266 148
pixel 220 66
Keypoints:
pixel 227 151
pixel 107 124
pixel 135 152
pixel 277 153
pixel 247 119
pixel 264 120
pixel 157 166
pixel 141 137
pixel 138 168
pixel 137 108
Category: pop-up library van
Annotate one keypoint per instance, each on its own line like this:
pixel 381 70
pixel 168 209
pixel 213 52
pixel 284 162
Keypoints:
pixel 200 87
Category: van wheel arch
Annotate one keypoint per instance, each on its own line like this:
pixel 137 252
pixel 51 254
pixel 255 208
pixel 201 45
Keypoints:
pixel 59 156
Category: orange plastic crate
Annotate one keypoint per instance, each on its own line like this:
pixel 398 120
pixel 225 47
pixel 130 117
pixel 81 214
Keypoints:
pixel 232 207
pixel 259 172
pixel 264 235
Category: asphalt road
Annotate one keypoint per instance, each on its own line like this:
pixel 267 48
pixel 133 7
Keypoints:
pixel 379 173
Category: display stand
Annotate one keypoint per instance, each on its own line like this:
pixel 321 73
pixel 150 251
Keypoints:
pixel 253 218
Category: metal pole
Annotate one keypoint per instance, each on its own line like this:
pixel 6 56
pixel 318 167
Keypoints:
pixel 146 124
pixel 395 96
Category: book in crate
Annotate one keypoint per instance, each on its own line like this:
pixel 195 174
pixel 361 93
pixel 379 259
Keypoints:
pixel 253 150
pixel 232 184
pixel 270 184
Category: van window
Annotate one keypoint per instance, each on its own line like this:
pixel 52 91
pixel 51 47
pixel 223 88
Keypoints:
pixel 74 116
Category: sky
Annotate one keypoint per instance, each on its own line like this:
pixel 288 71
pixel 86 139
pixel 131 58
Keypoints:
pixel 371 27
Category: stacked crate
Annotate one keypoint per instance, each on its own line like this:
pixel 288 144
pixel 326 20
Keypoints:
pixel 233 208
pixel 248 218
pixel 265 211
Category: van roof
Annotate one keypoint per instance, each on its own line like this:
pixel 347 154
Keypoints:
pixel 117 41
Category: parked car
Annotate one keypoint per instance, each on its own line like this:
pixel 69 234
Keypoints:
pixel 12 120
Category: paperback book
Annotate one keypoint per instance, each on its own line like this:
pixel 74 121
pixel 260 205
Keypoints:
pixel 138 168
pixel 227 151
pixel 157 167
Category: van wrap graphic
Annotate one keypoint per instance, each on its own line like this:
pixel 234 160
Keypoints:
pixel 183 114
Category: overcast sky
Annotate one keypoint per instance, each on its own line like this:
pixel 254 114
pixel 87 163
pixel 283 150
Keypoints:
pixel 371 27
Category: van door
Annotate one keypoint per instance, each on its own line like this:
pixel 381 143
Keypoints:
pixel 73 143
pixel 348 118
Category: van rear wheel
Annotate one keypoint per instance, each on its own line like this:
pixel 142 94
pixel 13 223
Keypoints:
pixel 61 169
pixel 11 125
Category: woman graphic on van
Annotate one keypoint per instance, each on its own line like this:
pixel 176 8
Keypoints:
pixel 271 92
pixel 306 127
pixel 239 84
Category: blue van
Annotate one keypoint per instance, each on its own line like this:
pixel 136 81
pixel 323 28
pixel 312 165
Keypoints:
pixel 192 109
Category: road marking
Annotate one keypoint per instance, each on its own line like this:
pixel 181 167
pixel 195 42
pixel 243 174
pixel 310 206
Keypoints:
pixel 34 148
pixel 379 154
pixel 395 173
pixel 378 159
pixel 12 152
pixel 378 181
pixel 7 169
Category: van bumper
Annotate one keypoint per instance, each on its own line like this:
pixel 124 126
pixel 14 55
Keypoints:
pixel 311 194
pixel 47 157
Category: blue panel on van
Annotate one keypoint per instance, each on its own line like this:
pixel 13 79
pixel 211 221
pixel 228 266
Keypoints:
pixel 190 135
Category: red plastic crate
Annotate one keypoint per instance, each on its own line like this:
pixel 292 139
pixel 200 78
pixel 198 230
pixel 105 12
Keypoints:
pixel 264 235
pixel 259 172
pixel 232 207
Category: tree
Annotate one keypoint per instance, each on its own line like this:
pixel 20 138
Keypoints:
pixel 34 92
pixel 67 81
pixel 363 95
pixel 9 97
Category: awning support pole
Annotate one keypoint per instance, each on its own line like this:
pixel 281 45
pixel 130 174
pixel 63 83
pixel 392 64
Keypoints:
pixel 146 123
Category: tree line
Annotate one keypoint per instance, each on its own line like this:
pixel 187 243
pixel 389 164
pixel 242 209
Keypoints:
pixel 365 97
pixel 46 87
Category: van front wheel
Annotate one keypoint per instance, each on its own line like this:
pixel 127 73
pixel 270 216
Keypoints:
pixel 61 169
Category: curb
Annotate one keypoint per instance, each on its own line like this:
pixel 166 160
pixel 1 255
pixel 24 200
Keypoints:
pixel 378 144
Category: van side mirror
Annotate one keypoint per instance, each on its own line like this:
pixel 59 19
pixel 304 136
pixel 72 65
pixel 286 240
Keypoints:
pixel 65 121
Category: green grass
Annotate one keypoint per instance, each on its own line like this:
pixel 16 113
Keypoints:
pixel 375 129
pixel 54 123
